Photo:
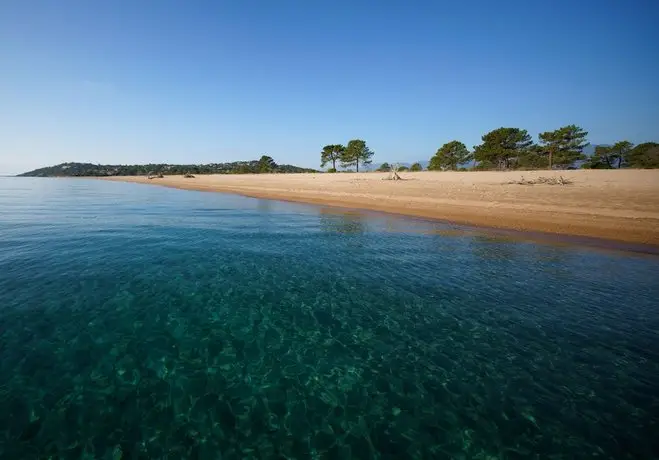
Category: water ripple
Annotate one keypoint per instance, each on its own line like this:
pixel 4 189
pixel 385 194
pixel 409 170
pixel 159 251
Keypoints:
pixel 143 322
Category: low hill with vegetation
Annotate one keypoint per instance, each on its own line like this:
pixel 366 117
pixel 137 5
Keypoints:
pixel 264 165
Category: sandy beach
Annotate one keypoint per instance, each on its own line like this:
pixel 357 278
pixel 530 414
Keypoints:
pixel 610 204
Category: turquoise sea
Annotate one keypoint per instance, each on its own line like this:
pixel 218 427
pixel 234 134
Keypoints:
pixel 140 322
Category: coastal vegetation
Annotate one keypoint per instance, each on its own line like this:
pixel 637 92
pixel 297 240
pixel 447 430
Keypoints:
pixel 331 153
pixel 563 148
pixel 625 154
pixel 267 165
pixel 509 148
pixel 449 156
pixel 264 165
pixel 501 149
pixel 644 155
pixel 356 153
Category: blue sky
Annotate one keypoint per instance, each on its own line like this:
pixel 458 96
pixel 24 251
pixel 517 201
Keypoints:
pixel 211 81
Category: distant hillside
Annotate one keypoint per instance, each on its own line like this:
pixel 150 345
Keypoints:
pixel 89 169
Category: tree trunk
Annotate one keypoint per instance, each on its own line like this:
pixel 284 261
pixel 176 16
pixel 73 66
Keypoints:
pixel 357 165
pixel 550 159
pixel 334 164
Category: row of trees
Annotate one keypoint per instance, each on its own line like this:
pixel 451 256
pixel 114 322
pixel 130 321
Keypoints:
pixel 625 154
pixel 354 154
pixel 508 148
pixel 511 148
pixel 505 148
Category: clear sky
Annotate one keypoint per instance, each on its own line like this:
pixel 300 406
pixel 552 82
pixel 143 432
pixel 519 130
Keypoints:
pixel 210 81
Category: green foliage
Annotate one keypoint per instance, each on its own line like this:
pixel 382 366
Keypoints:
pixel 403 168
pixel 416 167
pixel 617 153
pixel 597 161
pixel 610 156
pixel 602 158
pixel 384 167
pixel 534 158
pixel 644 155
pixel 356 153
pixel 331 170
pixel 503 146
pixel 449 156
pixel 564 146
pixel 484 165
pixel 95 170
pixel 267 164
pixel 331 153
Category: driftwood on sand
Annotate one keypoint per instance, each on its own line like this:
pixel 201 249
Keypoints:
pixel 393 173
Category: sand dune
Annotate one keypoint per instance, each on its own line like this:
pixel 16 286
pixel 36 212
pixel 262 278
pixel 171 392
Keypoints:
pixel 618 205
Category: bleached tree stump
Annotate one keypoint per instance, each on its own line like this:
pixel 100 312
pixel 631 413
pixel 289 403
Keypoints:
pixel 393 172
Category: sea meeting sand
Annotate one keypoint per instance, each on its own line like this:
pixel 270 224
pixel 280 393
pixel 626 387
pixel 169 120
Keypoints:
pixel 621 205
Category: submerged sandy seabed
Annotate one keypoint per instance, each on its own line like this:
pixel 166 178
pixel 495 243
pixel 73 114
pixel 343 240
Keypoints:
pixel 618 205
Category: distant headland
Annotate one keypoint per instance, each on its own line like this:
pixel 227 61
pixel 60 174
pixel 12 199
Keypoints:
pixel 264 165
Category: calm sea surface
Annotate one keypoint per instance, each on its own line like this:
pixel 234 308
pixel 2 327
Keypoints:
pixel 145 322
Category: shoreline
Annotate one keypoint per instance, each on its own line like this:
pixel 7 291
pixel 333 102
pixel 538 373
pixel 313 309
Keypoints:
pixel 618 206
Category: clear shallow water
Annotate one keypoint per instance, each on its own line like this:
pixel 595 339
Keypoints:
pixel 144 322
